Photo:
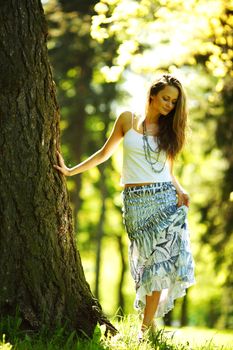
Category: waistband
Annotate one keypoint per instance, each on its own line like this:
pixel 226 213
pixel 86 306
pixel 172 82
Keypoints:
pixel 151 186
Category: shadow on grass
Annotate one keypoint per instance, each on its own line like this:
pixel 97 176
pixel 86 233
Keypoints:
pixel 13 337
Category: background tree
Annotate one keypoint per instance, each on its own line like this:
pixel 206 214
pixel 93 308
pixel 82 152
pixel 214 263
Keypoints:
pixel 40 269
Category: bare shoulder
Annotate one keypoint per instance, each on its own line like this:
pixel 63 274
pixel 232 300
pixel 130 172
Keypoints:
pixel 125 118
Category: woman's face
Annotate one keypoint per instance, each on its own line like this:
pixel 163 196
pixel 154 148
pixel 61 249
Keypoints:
pixel 165 100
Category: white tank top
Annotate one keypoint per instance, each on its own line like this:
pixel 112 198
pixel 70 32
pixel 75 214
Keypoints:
pixel 136 169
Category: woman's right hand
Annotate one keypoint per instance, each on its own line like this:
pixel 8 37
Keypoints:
pixel 61 165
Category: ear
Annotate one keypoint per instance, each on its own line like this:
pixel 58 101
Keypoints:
pixel 152 98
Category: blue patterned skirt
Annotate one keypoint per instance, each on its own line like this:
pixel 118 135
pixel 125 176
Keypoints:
pixel 159 252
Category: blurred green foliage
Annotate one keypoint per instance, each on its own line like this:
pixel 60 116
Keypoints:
pixel 93 49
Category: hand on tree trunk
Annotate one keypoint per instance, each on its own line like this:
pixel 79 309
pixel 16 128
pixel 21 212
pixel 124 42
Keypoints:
pixel 62 167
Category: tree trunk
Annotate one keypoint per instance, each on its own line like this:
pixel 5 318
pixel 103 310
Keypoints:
pixel 40 269
pixel 168 318
pixel 100 229
pixel 121 301
pixel 184 310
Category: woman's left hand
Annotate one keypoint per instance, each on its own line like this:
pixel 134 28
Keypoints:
pixel 183 199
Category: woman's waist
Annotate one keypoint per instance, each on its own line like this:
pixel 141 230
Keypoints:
pixel 138 184
pixel 148 184
pixel 133 178
pixel 153 187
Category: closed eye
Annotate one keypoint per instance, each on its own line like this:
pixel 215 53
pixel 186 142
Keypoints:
pixel 167 99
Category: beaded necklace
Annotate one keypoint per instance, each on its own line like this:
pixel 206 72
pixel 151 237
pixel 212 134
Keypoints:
pixel 149 152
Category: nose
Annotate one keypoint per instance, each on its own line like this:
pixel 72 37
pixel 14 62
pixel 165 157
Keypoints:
pixel 169 105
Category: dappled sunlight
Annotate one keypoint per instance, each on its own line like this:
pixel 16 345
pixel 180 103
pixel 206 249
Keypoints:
pixel 174 35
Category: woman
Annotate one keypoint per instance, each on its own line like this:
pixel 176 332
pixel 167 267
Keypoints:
pixel 154 203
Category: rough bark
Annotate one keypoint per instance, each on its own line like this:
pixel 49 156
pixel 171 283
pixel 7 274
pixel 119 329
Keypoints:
pixel 40 269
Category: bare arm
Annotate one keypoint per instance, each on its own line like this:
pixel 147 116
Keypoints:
pixel 100 156
pixel 183 197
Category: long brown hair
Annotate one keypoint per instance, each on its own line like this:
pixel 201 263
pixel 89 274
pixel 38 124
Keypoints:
pixel 172 128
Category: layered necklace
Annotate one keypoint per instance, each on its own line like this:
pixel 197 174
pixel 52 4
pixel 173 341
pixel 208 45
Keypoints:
pixel 152 155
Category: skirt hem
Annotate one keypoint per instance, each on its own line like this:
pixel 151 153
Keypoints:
pixel 169 293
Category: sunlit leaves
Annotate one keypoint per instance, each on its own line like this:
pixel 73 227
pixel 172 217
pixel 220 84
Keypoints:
pixel 111 74
pixel 175 30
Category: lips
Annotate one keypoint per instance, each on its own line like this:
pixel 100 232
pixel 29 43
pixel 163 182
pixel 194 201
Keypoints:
pixel 166 110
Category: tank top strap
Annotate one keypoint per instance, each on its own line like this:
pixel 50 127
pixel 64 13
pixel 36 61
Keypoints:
pixel 132 120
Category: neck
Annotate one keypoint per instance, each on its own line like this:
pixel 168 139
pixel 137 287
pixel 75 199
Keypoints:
pixel 152 117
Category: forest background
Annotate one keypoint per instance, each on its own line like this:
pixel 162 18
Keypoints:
pixel 104 56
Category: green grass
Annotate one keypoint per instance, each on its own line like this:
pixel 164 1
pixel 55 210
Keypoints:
pixel 187 338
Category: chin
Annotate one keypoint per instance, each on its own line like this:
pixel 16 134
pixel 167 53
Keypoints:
pixel 164 113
